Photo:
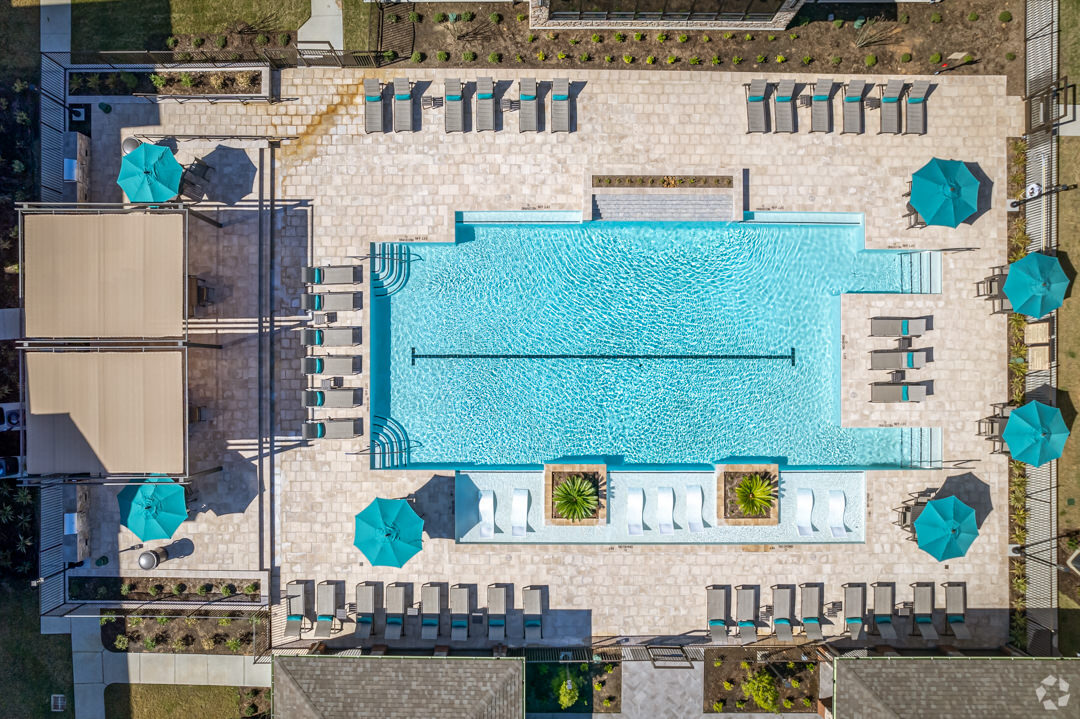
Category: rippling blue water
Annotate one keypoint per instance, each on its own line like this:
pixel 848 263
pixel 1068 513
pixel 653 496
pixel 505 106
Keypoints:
pixel 607 288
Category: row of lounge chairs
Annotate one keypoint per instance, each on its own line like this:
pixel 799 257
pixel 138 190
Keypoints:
pixel 820 102
pixel 898 360
pixel 884 617
pixel 330 611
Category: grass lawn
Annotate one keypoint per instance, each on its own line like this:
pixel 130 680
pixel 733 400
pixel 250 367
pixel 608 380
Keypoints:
pixel 359 19
pixel 35 666
pixel 1068 334
pixel 1069 38
pixel 19 22
pixel 145 24
pixel 169 701
pixel 1068 627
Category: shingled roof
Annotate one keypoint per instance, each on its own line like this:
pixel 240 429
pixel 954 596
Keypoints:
pixel 955 687
pixel 330 687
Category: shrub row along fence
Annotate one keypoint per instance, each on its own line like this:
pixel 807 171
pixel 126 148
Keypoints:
pixel 277 58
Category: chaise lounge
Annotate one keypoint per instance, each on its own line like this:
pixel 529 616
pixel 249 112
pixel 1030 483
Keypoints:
pixel 334 337
pixel 897 392
pixel 784 106
pixel 898 359
pixel 837 506
pixel 485 507
pixel 332 301
pixel 496 613
pixel 560 105
pixel 718 608
pixel 665 510
pixel 333 398
pixel 373 106
pixel 884 603
pixel 333 429
pixel 331 365
pixel 402 105
pixel 811 611
pixel 923 611
pixel 519 513
pixel 533 614
pixel 527 113
pixel 756 109
pixel 890 107
pixel 804 510
pixel 395 611
pixel 916 108
pixel 338 275
pixel 853 107
pixel 821 106
pixel 956 610
pixel 326 606
pixel 485 105
pixel 459 614
pixel 295 609
pixel 365 609
pixel 783 612
pixel 635 507
pixel 854 610
pixel 694 521
pixel 430 609
pixel 454 113
pixel 897 326
pixel 746 613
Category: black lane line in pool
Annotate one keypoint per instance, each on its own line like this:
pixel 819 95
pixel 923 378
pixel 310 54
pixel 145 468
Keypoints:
pixel 417 355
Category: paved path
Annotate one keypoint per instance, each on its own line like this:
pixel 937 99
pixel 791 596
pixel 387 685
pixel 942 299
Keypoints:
pixel 55 25
pixel 324 25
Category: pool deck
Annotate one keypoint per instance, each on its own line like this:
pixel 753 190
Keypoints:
pixel 362 188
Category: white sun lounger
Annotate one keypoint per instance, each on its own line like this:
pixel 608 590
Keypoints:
pixel 496 613
pixel 854 610
pixel 486 507
pixel 837 504
pixel 295 609
pixel 365 609
pixel 718 601
pixel 459 614
pixel 694 521
pixel 804 509
pixel 332 301
pixel 635 505
pixel 337 365
pixel 395 611
pixel 519 513
pixel 338 275
pixel 884 603
pixel 783 612
pixel 533 614
pixel 430 608
pixel 665 510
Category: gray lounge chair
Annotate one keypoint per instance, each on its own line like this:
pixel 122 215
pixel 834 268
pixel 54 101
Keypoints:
pixel 784 106
pixel 916 108
pixel 395 611
pixel 430 609
pixel 956 610
pixel 331 337
pixel 897 392
pixel 365 609
pixel 897 326
pixel 332 365
pixel 340 275
pixel 295 609
pixel 527 113
pixel 898 359
pixel 853 106
pixel 811 611
pixel 373 106
pixel 402 105
pixel 453 106
pixel 326 606
pixel 783 612
pixel 496 613
pixel 332 301
pixel 821 107
pixel 923 611
pixel 560 105
pixel 756 109
pixel 485 105
pixel 884 603
pixel 533 614
pixel 890 107
pixel 459 614
pixel 334 398
pixel 746 614
pixel 854 610
pixel 718 601
pixel 333 429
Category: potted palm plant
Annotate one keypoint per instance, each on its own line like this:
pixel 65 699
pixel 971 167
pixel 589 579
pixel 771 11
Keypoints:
pixel 755 495
pixel 575 498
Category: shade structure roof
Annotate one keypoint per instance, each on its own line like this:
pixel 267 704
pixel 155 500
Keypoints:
pixel 105 412
pixel 110 275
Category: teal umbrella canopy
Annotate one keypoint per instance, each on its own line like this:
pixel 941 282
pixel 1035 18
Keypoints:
pixel 389 532
pixel 946 528
pixel 944 192
pixel 1036 284
pixel 1035 433
pixel 154 510
pixel 150 173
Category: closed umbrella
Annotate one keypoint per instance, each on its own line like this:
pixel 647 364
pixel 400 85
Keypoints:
pixel 946 528
pixel 1035 433
pixel 154 510
pixel 388 532
pixel 944 192
pixel 1036 284
pixel 150 173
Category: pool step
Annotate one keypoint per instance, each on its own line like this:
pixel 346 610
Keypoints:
pixel 633 207
pixel 389 444
pixel 920 272
pixel 921 447
pixel 389 267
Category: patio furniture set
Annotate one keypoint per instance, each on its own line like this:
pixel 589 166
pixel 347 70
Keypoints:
pixel 331 612
pixel 885 616
pixel 856 98
pixel 899 360
pixel 453 102
pixel 331 392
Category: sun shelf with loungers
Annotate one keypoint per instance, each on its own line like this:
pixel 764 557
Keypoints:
pixel 897 392
pixel 784 106
pixel 718 608
pixel 373 106
pixel 485 105
pixel 890 107
pixel 756 109
pixel 528 112
pixel 898 359
pixel 454 112
pixel 560 105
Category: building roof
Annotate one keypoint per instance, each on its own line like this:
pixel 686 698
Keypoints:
pixel 105 412
pixel 336 687
pixel 954 687
pixel 103 275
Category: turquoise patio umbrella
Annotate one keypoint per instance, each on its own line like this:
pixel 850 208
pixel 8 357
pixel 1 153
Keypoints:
pixel 1036 284
pixel 944 192
pixel 1035 433
pixel 154 510
pixel 150 173
pixel 946 528
pixel 389 532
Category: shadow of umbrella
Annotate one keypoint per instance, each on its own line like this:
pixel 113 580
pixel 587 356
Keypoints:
pixel 434 502
pixel 229 491
pixel 986 190
pixel 233 176
pixel 970 490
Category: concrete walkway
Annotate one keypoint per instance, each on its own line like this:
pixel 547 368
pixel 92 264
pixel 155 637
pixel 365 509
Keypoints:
pixel 324 25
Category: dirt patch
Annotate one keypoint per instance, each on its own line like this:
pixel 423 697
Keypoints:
pixel 794 674
pixel 173 631
pixel 544 680
pixel 167 83
pixel 681 182
pixel 146 589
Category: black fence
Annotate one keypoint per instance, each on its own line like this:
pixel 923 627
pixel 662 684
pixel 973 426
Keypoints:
pixel 276 58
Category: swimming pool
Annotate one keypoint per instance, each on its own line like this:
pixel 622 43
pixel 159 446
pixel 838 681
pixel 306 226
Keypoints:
pixel 641 343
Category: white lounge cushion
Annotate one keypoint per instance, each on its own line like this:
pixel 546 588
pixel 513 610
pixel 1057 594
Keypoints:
pixel 693 508
pixel 519 512
pixel 635 505
pixel 665 510
pixel 804 508
pixel 487 513
pixel 837 502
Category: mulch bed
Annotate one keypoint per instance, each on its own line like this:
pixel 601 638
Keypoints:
pixel 18 525
pixel 542 680
pixel 558 478
pixel 147 589
pixel 681 182
pixel 130 83
pixel 787 666
pixel 178 633
pixel 731 507
pixel 1068 581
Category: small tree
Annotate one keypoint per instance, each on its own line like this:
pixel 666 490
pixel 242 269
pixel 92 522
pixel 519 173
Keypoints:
pixel 568 694
pixel 576 498
pixel 754 495
pixel 760 687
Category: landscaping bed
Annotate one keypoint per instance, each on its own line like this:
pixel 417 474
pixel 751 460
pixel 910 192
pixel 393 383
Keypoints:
pixel 682 182
pixel 545 687
pixel 575 494
pixel 744 680
pixel 146 589
pixel 178 701
pixel 35 665
pixel 749 494
pixel 173 631
pixel 165 83
pixel 18 526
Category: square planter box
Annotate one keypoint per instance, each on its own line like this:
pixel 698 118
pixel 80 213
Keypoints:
pixel 549 511
pixel 768 470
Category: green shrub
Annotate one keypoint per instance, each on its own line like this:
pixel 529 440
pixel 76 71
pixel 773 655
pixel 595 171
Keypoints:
pixel 661 38
pixel 807 702
pixel 263 40
pixel 794 36
pixel 107 617
pixel 251 710
pixel 836 60
pixel 727 35
pixel 744 665
pixel 683 38
pixel 606 702
pixel 220 42
pixel 736 60
pixel 807 60
pixel 494 18
pixel 715 59
pixel 155 589
pixel 794 683
pixel 903 19
pixel 788 703
pixel 171 42
pixel 706 38
pixel 718 706
pixel 870 60
pixel 561 55
pixel 467 16
pixel 197 41
pixel 639 36
pixel 728 686
pixel 522 17
pixel 609 58
pixel 1010 56
pixel 973 16
pixel 389 55
pixel 440 17
pixel 628 59
pixel 609 669
pixel 906 57
pixel 224 621
pixel 760 687
pixel 597 686
pixel 574 41
pixel 121 642
pixel 596 37
pixel 761 59
pixel 150 643
pixel 650 60
pixel 1005 16
pixel 551 36
pixel 519 58
pixel 718 662
pixel 576 498
pixel 414 17
pixel 754 495
pixel 442 56
pixel 468 56
pixel 530 38
pixel 935 17
pixel 129 80
pixel 584 57
pixel 695 60
pixel 671 59
pixel 619 37
pixel 568 694
pixel 495 58
pixel 748 37
pixel 393 19
pixel 233 644
pixel 935 58
pixel 184 56
pixel 740 703
pixel 541 56
pixel 838 23
pixel 780 59
pixel 771 38
pixel 417 57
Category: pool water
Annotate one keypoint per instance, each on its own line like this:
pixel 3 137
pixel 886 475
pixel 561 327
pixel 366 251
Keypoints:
pixel 627 341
